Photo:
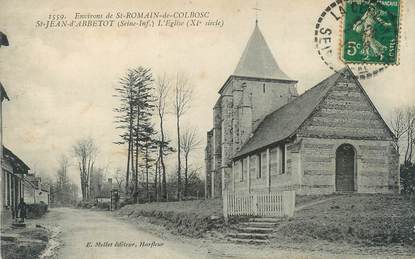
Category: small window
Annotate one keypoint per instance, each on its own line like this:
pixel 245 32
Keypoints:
pixel 263 88
pixel 282 162
pixel 259 167
pixel 273 161
pixel 244 168
pixel 252 166
pixel 264 163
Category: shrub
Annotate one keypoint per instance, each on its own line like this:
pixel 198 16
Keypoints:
pixel 408 179
pixel 85 204
pixel 36 210
pixel 104 205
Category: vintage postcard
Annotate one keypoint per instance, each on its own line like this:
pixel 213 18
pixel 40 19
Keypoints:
pixel 207 129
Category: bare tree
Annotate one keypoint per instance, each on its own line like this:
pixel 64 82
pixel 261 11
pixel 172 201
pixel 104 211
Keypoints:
pixel 162 90
pixel 189 142
pixel 410 134
pixel 403 126
pixel 62 181
pixel 182 95
pixel 398 126
pixel 119 179
pixel 85 151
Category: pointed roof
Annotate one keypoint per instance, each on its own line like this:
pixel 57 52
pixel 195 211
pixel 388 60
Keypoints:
pixel 257 60
pixel 3 93
pixel 285 121
pixel 18 165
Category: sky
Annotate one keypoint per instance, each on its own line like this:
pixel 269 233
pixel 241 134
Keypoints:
pixel 61 80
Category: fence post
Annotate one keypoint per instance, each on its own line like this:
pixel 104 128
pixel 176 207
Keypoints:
pixel 292 203
pixel 285 204
pixel 288 202
pixel 255 200
pixel 225 206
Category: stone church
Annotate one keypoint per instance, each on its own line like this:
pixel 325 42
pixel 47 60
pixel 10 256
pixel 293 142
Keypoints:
pixel 266 137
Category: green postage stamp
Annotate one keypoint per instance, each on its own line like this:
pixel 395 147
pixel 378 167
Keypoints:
pixel 371 31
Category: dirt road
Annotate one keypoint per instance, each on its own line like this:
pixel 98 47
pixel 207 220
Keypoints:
pixel 92 234
pixel 86 234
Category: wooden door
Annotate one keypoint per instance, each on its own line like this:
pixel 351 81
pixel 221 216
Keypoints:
pixel 345 168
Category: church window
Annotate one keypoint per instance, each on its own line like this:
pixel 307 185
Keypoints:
pixel 273 160
pixel 237 169
pixel 252 165
pixel 263 164
pixel 258 166
pixel 244 168
pixel 282 162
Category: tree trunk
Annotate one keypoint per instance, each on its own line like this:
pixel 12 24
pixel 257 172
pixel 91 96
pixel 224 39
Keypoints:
pixel 146 163
pixel 137 142
pixel 163 167
pixel 130 139
pixel 132 161
pixel 186 180
pixel 179 180
pixel 156 193
pixel 127 174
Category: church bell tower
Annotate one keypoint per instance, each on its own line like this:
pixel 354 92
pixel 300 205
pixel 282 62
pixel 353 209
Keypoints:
pixel 256 88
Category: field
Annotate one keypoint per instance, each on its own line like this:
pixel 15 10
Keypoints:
pixel 189 218
pixel 357 220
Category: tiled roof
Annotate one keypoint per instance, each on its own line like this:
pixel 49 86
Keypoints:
pixel 19 166
pixel 3 93
pixel 283 122
pixel 257 60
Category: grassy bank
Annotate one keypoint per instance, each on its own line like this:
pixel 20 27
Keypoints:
pixel 24 243
pixel 338 221
pixel 189 218
pixel 370 220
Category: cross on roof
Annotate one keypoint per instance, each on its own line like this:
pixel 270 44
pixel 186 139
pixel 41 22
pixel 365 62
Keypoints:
pixel 256 12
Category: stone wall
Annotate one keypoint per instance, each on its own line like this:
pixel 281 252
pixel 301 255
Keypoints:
pixel 346 115
pixel 346 112
pixel 376 169
pixel 208 164
pixel 242 104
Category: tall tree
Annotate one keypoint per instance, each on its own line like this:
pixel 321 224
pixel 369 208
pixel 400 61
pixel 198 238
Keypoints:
pixel 85 151
pixel 62 185
pixel 150 147
pixel 189 142
pixel 144 107
pixel 182 95
pixel 162 91
pixel 126 92
pixel 134 116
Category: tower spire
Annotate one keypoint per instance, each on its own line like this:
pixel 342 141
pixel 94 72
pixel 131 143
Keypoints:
pixel 257 60
pixel 256 12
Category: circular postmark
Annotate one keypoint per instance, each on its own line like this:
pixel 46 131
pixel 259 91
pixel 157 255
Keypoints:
pixel 354 33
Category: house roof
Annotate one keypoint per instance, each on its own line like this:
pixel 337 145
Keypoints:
pixel 257 60
pixel 19 166
pixel 283 122
pixel 3 39
pixel 3 93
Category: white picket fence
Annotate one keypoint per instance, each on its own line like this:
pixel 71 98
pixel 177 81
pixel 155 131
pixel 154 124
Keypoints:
pixel 264 204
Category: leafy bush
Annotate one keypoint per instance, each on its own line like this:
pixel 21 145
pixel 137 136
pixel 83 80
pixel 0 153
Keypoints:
pixel 104 205
pixel 190 218
pixel 85 204
pixel 408 179
pixel 36 210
